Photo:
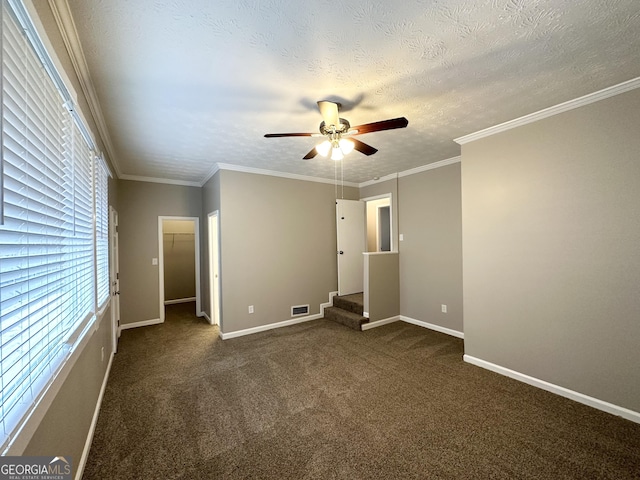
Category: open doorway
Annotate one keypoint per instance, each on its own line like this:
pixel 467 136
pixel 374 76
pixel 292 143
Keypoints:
pixel 179 261
pixel 214 267
pixel 378 224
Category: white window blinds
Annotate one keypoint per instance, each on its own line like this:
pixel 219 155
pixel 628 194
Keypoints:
pixel 53 245
pixel 102 230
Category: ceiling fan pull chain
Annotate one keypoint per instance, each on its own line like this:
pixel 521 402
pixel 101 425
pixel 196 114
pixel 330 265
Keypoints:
pixel 342 178
pixel 335 177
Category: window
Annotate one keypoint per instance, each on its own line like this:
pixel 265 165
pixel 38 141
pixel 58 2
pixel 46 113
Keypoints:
pixel 54 270
pixel 101 183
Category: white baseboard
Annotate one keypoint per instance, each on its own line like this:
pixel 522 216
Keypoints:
pixel 558 390
pixel 94 421
pixel 286 323
pixel 204 314
pixel 432 326
pixel 379 323
pixel 144 323
pixel 180 300
pixel 271 326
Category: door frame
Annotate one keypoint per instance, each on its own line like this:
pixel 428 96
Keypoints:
pixel 213 220
pixel 379 229
pixel 196 230
pixel 114 277
pixel 345 264
pixel 391 229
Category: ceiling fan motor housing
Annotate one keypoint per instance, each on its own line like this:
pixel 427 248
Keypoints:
pixel 343 127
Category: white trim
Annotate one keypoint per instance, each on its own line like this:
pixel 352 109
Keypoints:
pixel 377 197
pixel 431 326
pixel 180 300
pixel 214 248
pixel 94 421
pixel 196 231
pixel 204 314
pixel 558 390
pixel 292 176
pixel 365 314
pixel 215 169
pixel 143 323
pixel 391 176
pixel 551 111
pixel 379 323
pixel 271 326
pixel 430 166
pixel 138 178
pixel 286 323
pixel 374 198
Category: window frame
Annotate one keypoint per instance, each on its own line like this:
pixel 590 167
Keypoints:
pixel 14 440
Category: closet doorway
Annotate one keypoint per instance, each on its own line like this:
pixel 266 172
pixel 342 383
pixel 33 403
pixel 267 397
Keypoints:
pixel 379 224
pixel 179 261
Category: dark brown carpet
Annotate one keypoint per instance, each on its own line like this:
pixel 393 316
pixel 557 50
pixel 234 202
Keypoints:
pixel 320 401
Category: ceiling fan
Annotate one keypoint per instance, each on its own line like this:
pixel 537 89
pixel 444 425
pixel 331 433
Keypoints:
pixel 339 133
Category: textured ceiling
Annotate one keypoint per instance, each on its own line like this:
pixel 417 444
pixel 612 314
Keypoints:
pixel 186 84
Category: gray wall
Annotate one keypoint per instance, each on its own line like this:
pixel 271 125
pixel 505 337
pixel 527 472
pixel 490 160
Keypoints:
pixel 278 245
pixel 551 234
pixel 429 209
pixel 140 205
pixel 382 286
pixel 65 426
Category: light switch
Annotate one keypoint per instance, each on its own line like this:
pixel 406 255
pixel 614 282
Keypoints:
pixel 401 237
pixel 154 261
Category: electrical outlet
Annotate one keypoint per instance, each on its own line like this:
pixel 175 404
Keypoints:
pixel 250 308
pixel 444 308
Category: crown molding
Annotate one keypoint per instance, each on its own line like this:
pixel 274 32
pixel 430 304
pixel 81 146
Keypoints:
pixel 391 176
pixel 292 176
pixel 215 169
pixel 430 166
pixel 137 178
pixel 67 27
pixel 551 111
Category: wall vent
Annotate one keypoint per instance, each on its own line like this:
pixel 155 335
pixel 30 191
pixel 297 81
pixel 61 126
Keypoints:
pixel 298 310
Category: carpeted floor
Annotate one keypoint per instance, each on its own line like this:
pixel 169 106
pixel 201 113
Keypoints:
pixel 320 401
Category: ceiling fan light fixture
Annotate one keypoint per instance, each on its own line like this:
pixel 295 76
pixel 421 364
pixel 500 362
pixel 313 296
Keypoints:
pixel 336 154
pixel 323 148
pixel 346 146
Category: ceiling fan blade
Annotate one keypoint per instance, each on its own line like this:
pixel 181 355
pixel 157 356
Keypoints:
pixel 400 122
pixel 329 112
pixel 311 154
pixel 276 135
pixel 363 147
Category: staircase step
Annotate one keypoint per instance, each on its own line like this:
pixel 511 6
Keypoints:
pixel 345 317
pixel 351 303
